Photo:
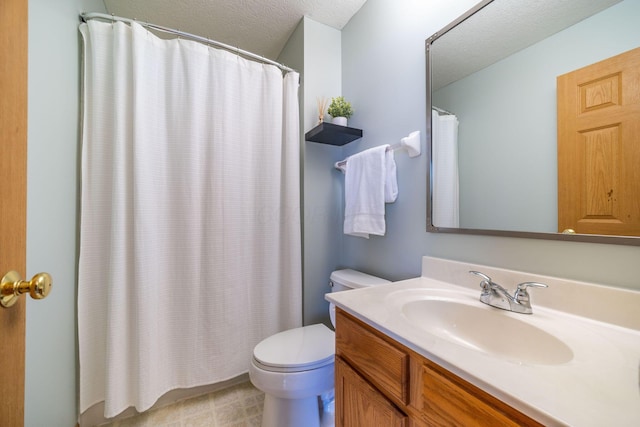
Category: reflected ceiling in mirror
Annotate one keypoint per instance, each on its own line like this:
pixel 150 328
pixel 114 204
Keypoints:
pixel 500 30
pixel 495 68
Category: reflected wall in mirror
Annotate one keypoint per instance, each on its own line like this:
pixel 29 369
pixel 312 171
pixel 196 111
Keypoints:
pixel 496 70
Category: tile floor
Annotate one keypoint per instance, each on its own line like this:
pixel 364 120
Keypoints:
pixel 236 406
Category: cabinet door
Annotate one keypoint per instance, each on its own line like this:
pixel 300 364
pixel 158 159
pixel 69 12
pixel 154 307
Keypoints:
pixel 451 401
pixel 358 404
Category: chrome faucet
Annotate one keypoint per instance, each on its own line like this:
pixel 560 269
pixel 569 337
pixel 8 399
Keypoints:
pixel 497 296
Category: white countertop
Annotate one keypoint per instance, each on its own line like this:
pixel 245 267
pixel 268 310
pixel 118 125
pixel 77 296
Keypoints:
pixel 599 386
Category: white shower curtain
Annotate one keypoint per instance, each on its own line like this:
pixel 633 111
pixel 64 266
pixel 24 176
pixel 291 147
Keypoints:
pixel 190 247
pixel 444 146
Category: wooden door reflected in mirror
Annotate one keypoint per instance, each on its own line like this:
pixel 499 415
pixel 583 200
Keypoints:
pixel 599 147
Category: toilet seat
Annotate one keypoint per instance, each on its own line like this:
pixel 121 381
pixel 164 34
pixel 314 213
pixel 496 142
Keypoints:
pixel 296 350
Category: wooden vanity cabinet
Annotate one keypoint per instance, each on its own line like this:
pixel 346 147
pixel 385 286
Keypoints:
pixel 381 383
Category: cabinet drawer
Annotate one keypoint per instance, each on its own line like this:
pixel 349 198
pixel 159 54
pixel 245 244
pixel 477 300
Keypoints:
pixel 451 401
pixel 380 362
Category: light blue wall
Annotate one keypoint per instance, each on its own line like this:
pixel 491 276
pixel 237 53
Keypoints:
pixel 314 50
pixel 52 191
pixel 322 188
pixel 384 77
pixel 292 55
pixel 507 138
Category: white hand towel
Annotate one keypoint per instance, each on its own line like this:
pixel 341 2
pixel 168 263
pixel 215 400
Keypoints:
pixel 391 178
pixel 366 178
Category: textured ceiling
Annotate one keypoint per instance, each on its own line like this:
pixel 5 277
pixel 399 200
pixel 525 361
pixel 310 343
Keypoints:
pixel 503 28
pixel 259 26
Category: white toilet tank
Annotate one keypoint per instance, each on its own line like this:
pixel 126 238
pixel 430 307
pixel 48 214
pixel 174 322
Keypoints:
pixel 346 279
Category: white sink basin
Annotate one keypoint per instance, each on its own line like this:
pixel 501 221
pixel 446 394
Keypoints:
pixel 469 323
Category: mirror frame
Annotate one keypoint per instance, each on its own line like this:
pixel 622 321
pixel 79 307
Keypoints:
pixel 589 238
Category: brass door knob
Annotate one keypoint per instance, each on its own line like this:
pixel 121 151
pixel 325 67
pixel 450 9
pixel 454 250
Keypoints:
pixel 12 286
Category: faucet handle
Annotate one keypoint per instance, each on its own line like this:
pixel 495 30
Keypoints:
pixel 521 295
pixel 486 280
pixel 523 286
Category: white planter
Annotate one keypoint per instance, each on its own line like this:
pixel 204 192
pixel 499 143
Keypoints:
pixel 342 121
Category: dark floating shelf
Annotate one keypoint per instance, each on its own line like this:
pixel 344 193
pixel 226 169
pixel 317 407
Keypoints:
pixel 328 133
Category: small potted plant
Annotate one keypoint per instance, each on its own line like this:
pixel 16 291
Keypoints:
pixel 340 110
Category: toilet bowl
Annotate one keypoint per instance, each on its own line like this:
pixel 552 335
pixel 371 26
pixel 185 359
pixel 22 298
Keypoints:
pixel 294 368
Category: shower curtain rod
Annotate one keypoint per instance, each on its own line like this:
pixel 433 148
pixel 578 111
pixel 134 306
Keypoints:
pixel 94 15
pixel 443 111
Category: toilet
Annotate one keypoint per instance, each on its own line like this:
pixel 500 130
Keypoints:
pixel 295 368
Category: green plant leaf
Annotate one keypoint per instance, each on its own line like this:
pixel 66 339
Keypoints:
pixel 339 107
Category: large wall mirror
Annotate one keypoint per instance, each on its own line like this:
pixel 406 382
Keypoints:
pixel 499 108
